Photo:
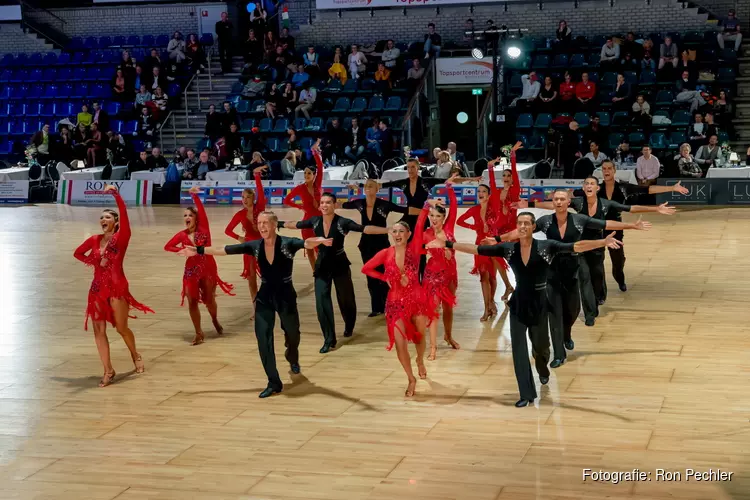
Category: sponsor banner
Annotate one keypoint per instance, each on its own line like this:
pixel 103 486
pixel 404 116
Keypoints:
pixel 463 71
pixel 91 192
pixel 14 192
pixel 368 4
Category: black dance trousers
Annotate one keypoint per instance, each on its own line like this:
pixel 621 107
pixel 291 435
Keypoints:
pixel 265 319
pixel 225 55
pixel 539 336
pixel 564 306
pixel 342 280
pixel 378 288
pixel 592 282
pixel 618 266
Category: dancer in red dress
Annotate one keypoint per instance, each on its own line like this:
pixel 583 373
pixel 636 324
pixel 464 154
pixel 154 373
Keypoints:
pixel 440 274
pixel 254 204
pixel 407 308
pixel 309 192
pixel 109 296
pixel 201 275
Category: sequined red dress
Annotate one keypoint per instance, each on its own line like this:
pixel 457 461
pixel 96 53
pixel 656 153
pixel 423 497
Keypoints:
pixel 403 302
pixel 249 226
pixel 484 228
pixel 310 202
pixel 109 277
pixel 440 273
pixel 201 272
pixel 506 215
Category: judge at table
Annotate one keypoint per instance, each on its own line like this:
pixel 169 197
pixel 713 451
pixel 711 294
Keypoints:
pixel 156 160
pixel 139 165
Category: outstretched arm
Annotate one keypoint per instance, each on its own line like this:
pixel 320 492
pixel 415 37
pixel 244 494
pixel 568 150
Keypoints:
pixel 639 225
pixel 675 188
pixel 124 233
pixel 515 188
pixel 311 243
pixel 260 194
pixel 663 209
pixel 321 168
pixel 450 221
pixel 588 245
pixel 236 220
pixel 301 224
pixel 369 269
pixel 418 240
pixel 201 222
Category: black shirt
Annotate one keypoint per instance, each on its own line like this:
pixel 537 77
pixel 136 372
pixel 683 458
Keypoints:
pixel 603 209
pixel 420 195
pixel 331 260
pixel 380 212
pixel 566 267
pixel 277 277
pixel 224 31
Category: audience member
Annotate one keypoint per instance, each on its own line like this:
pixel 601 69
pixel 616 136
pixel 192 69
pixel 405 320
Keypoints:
pixel 286 40
pixel 155 79
pixel 595 156
pixel 259 19
pixel 686 64
pixel 372 136
pixel 160 99
pixel 157 160
pixel 273 99
pixel 119 87
pixel 95 145
pixel 100 117
pixel 228 116
pixel 190 165
pixel 585 93
pixel 570 148
pixel 390 55
pixel 288 166
pixel 468 38
pixel 610 54
pixel 686 164
pixel 204 167
pixel 194 53
pixel 254 88
pixel 269 46
pixel 310 58
pixel 357 62
pixel 631 52
pixel 214 124
pixel 709 154
pixel 356 141
pixel 300 77
pixel 641 112
pixel 224 30
pixel 668 53
pixel 146 126
pixel 563 36
pixel 567 94
pixel 306 101
pixel 176 48
pixel 152 61
pixel 292 142
pixel 621 95
pixel 414 76
pixel 697 132
pixel 730 31
pixel 647 60
pixel 385 139
pixel 40 143
pixel 686 92
pixel 84 117
pixel 432 42
pixel 711 128
pixel 595 132
pixel 140 164
pixel 337 71
pixel 647 167
pixel 138 79
pixel 288 100
pixel 547 97
pixel 253 51
pixel 336 141
pixel 530 90
pixel 383 79
pixel 141 98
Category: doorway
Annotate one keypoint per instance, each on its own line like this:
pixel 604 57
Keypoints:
pixel 458 111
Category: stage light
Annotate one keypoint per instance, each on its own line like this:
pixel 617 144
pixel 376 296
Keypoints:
pixel 513 52
pixel 477 54
pixel 462 118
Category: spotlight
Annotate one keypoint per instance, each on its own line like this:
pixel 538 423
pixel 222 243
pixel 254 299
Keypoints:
pixel 513 52
pixel 477 54
pixel 462 117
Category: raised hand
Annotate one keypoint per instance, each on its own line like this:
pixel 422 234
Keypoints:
pixel 326 242
pixel 612 242
pixel 642 225
pixel 188 252
pixel 679 188
pixel 489 241
pixel 261 169
pixel 434 202
pixel 451 180
pixel 518 145
pixel 520 204
pixel 194 190
pixel 109 187
pixel 436 243
pixel 665 209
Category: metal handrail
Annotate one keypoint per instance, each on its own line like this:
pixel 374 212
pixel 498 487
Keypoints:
pixel 185 97
pixel 34 7
pixel 174 130
pixel 415 98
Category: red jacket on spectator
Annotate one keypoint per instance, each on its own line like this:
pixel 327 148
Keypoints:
pixel 567 91
pixel 585 90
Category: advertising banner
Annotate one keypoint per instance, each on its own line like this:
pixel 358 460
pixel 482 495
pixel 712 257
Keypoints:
pixel 14 192
pixel 368 4
pixel 463 71
pixel 91 192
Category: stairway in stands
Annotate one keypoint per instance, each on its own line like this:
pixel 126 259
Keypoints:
pixel 186 128
pixel 742 105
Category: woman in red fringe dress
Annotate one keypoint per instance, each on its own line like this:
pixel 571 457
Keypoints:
pixel 109 298
pixel 254 205
pixel 309 193
pixel 407 308
pixel 201 275
pixel 440 278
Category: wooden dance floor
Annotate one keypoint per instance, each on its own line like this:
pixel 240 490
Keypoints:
pixel 658 383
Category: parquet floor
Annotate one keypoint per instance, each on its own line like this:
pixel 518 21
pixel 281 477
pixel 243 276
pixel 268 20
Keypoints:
pixel 659 383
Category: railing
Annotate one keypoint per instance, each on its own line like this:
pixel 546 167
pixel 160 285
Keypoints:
pixel 170 117
pixel 185 96
pixel 414 108
pixel 482 126
pixel 44 22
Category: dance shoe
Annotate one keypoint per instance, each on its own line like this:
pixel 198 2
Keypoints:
pixel 327 347
pixel 523 402
pixel 268 391
pixel 348 333
pixel 569 344
pixel 295 368
pixel 590 322
pixel 374 314
pixel 623 287
pixel 544 380
pixel 600 302
pixel 557 363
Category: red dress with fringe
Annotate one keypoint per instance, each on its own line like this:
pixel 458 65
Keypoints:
pixel 403 302
pixel 310 203
pixel 506 215
pixel 109 277
pixel 201 272
pixel 482 263
pixel 250 227
pixel 441 273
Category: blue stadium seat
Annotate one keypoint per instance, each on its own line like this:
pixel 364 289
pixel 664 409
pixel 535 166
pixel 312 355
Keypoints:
pixel 515 83
pixel 51 91
pixel 47 109
pixel 609 79
pixel 129 128
pixel 14 109
pixel 615 139
pixel 648 79
pixel 306 143
pixel 22 59
pixel 243 107
pixel 148 41
pixel 540 61
pixel 174 89
pixel 300 123
pixel 677 138
pixel 91 43
pixel 119 41
pixel 316 123
pixel 350 87
pixel 65 74
pixel 105 42
pixel 68 108
pixel 342 105
pixel 631 77
pixel 376 104
pixel 657 141
pixel 603 118
pixel 207 39
pixel 35 92
pixel 36 59
pixel 594 59
pixel 116 126
pixel 368 85
pixel 393 103
pixel 76 43
pixel 637 139
pixel 525 120
pixel 593 76
pixel 681 119
pixel 133 41
pixel 578 61
pixel 723 136
pixel 80 91
pixel 247 125
pixel 620 119
pixel 582 118
pixel 5 75
pixel 19 76
pixel 728 55
pixel 258 103
pixel 49 75
pixel 63 59
pixel 664 98
pixel 77 58
pixel 359 105
pixel 266 125
pixel 543 121
pixel 281 125
pixel 726 75
pixel 560 61
pixel 272 144
pixel 19 92
pixel 6 146
pixel 707 55
pixel 113 108
pixel 162 41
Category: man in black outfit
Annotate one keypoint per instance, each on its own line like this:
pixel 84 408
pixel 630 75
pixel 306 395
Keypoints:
pixel 530 260
pixel 224 30
pixel 336 141
pixel 332 268
pixel 275 257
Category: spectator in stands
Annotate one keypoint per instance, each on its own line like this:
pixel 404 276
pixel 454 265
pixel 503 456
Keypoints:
pixel 372 136
pixel 414 76
pixel 146 126
pixel 711 128
pixel 530 85
pixel 155 79
pixel 279 62
pixel 390 55
pixel 273 98
pixel 335 142
pixel 286 40
pixel 224 30
pixel 454 153
pixel 357 62
pixel 300 77
pixel 624 153
pixel 685 64
pixel 647 167
pixel 95 144
pixel 641 112
pixel 647 58
pixel 594 132
pixel 686 92
pixel 288 166
pixel 686 163
pixel 214 124
pixel 157 160
pixel 259 19
pixel 204 167
pixel 730 31
pixel 152 61
pixel 306 101
pixel 610 54
pixel 355 146
pixel 141 98
pixel 382 79
pixel 443 165
pixel 585 93
pixel 269 46
pixel 117 149
pixel 567 94
pixel 228 116
pixel 570 148
pixel 709 154
pixel 81 138
pixel 126 62
pixel 668 53
pixel 119 90
pixel 595 156
pixel 469 33
pixel 311 58
pixel 40 143
pixel 697 132
pixel 84 117
pixel 432 42
pixel 337 69
pixel 630 51
pixel 140 164
pixel 292 142
pixel 385 139
pixel 62 149
pixel 160 99
pixel 723 111
pixel 621 96
pixel 563 36
pixel 253 50
pixel 176 48
pixel 138 79
pixel 255 88
pixel 194 53
pixel 100 117
pixel 257 161
pixel 190 165
pixel 547 97
pixel 232 146
pixel 288 100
